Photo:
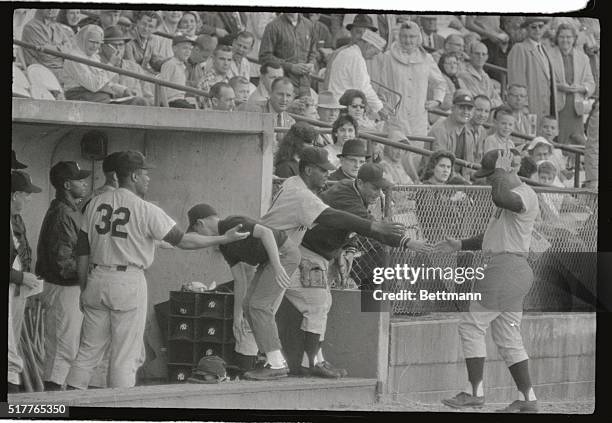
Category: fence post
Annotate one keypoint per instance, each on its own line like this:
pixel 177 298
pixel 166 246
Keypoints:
pixel 576 170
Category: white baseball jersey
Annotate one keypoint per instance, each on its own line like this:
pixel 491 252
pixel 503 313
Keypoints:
pixel 294 209
pixel 509 231
pixel 122 229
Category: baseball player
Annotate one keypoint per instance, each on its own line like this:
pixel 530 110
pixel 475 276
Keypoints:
pixel 507 281
pixel 110 178
pixel 294 209
pixel 311 294
pixel 116 244
pixel 267 248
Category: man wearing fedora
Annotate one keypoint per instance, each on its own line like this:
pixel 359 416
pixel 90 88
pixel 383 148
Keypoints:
pixel 347 68
pixel 354 155
pixel 328 110
pixel 529 65
pixel 112 52
pixel 175 71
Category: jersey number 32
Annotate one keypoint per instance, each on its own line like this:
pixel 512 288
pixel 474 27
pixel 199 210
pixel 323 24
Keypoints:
pixel 111 220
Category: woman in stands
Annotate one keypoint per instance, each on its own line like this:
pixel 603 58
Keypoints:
pixel 356 106
pixel 89 83
pixel 189 25
pixel 288 154
pixel 344 128
pixel 70 18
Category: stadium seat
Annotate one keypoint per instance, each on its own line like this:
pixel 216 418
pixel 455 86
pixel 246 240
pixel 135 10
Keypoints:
pixel 21 85
pixel 43 82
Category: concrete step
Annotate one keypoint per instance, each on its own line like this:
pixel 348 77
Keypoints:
pixel 292 393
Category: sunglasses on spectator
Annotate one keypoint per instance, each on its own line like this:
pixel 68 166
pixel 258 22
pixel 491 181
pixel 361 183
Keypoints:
pixel 360 106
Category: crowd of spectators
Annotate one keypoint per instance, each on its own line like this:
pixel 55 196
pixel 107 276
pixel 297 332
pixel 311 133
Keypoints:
pixel 496 75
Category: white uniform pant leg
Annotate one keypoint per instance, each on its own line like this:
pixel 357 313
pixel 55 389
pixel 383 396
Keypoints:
pixel 473 327
pixel 15 362
pixel 95 332
pixel 506 333
pixel 62 330
pixel 127 299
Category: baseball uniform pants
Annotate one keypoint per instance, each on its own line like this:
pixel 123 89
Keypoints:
pixel 264 296
pixel 507 280
pixel 245 340
pixel 314 302
pixel 15 321
pixel 115 311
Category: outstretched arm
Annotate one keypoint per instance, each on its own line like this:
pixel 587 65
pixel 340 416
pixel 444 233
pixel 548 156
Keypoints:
pixel 194 241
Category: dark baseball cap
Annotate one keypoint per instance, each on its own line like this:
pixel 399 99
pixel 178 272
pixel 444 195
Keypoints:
pixel 16 164
pixel 67 171
pixel 463 97
pixel 130 160
pixel 200 211
pixel 316 156
pixel 110 162
pixel 21 181
pixel 487 164
pixel 182 39
pixel 210 369
pixel 374 174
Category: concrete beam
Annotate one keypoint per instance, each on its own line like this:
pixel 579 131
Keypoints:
pixel 81 113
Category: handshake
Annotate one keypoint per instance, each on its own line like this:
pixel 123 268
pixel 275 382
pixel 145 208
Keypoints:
pixel 448 245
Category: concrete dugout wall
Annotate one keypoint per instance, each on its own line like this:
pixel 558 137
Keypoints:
pixel 224 159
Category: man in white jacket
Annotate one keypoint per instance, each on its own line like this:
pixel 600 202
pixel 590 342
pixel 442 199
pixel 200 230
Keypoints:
pixel 349 70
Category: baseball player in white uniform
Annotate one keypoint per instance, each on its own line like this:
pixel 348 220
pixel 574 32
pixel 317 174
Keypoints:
pixel 507 281
pixel 116 244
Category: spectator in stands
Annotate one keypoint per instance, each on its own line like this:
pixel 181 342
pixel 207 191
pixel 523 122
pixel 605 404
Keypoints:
pixel 517 101
pixel 170 21
pixel 269 71
pixel 529 65
pixel 354 155
pixel 504 123
pixel 549 128
pixel 202 50
pixel 344 129
pixel 328 108
pixel 175 71
pixel 322 38
pixel 406 68
pixel 256 24
pixel 439 170
pixel 222 97
pixel 241 47
pixel 432 41
pixel 449 66
pixel 88 83
pixel 150 51
pixel 548 174
pixel 528 167
pixel 70 18
pixel 241 86
pixel 289 39
pixel 304 106
pixel 348 70
pixel 492 36
pixel 575 84
pixel 541 149
pixel 454 132
pixel 453 43
pixel 474 77
pixel 217 68
pixel 44 31
pixel 289 151
pixel 591 149
pixel 356 105
pixel 104 18
pixel 223 25
pixel 392 160
pixel 112 52
pixel 188 25
pixel 482 112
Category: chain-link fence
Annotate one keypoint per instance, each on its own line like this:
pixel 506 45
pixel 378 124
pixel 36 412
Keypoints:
pixel 563 248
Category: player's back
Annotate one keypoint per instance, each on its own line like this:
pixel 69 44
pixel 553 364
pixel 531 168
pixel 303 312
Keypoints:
pixel 122 228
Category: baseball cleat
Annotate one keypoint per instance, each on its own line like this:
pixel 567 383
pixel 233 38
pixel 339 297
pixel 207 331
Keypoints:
pixel 464 400
pixel 520 406
pixel 325 370
pixel 266 373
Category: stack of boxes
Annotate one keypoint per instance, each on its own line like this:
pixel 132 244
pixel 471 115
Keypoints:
pixel 199 324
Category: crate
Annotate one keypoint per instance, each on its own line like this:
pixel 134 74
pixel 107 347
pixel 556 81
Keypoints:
pixel 210 304
pixel 182 352
pixel 178 373
pixel 214 330
pixel 225 351
pixel 182 327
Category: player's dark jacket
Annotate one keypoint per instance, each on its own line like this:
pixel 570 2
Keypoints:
pixel 56 251
pixel 249 250
pixel 326 240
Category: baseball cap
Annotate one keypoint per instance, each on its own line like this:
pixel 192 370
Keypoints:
pixel 110 162
pixel 316 156
pixel 200 211
pixel 374 174
pixel 16 164
pixel 463 97
pixel 21 181
pixel 67 171
pixel 487 164
pixel 210 369
pixel 129 161
pixel 182 39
